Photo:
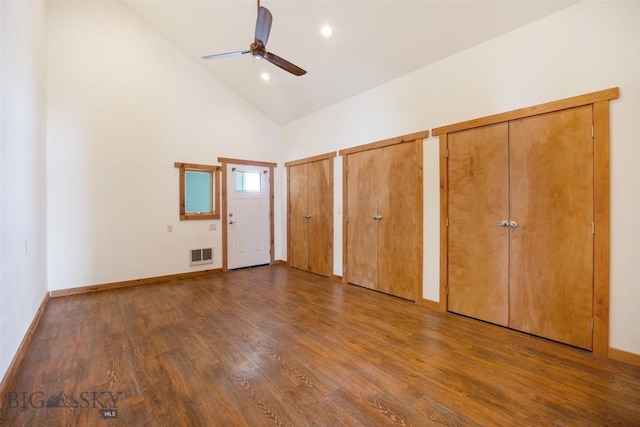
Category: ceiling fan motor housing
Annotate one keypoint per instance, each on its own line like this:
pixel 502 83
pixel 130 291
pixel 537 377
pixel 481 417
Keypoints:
pixel 257 50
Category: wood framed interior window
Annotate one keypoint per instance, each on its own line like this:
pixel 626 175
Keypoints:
pixel 199 191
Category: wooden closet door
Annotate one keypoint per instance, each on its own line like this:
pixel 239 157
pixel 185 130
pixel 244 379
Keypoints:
pixel 551 270
pixel 298 248
pixel 362 235
pixel 478 257
pixel 398 255
pixel 320 190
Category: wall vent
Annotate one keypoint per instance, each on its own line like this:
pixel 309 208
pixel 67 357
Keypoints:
pixel 201 256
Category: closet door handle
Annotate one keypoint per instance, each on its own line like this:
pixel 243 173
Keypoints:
pixel 377 217
pixel 504 223
pixel 513 224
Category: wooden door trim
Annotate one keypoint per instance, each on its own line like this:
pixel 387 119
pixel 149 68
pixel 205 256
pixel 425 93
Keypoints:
pixel 602 209
pixel 311 159
pixel 224 161
pixel 444 222
pixel 247 162
pixel 602 219
pixel 562 104
pixel 385 142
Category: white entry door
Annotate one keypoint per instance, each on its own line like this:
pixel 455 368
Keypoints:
pixel 248 216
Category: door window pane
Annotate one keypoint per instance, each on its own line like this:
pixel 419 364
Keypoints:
pixel 248 181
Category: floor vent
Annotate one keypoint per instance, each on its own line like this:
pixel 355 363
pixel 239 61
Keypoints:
pixel 201 256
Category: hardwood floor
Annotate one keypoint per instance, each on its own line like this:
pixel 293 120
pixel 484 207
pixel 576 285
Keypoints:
pixel 277 346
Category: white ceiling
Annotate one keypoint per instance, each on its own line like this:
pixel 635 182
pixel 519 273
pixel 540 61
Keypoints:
pixel 373 41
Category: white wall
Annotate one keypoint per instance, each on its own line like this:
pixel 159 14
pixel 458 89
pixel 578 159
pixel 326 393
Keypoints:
pixel 23 257
pixel 585 48
pixel 124 104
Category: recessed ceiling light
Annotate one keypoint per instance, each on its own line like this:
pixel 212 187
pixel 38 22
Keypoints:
pixel 265 76
pixel 327 31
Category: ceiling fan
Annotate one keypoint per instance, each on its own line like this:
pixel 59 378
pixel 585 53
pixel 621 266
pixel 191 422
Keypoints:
pixel 258 47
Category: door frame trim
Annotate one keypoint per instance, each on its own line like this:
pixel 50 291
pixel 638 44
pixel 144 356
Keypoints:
pixel 225 161
pixel 601 195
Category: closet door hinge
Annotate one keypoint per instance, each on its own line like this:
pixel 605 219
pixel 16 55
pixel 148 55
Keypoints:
pixel 447 221
pixel 446 153
pixel 592 132
pixel 593 228
pixel 447 290
pixel 592 323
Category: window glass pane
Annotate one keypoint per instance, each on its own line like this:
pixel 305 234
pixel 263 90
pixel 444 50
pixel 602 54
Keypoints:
pixel 248 181
pixel 197 191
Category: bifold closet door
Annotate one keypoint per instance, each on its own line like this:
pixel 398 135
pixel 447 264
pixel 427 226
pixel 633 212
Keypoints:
pixel 320 193
pixel 298 255
pixel 398 254
pixel 362 226
pixel 383 234
pixel 551 267
pixel 478 197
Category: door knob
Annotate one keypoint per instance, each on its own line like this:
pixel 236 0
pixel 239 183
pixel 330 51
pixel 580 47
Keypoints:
pixel 504 223
pixel 231 222
pixel 513 224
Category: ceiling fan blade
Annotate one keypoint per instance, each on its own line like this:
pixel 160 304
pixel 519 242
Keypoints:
pixel 263 25
pixel 284 64
pixel 226 55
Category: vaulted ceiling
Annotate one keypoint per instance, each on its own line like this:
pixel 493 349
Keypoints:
pixel 373 42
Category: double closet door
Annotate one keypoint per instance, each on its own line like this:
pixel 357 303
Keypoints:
pixel 310 215
pixel 521 224
pixel 383 214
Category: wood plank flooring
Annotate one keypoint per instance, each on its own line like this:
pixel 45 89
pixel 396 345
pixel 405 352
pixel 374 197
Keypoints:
pixel 277 346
